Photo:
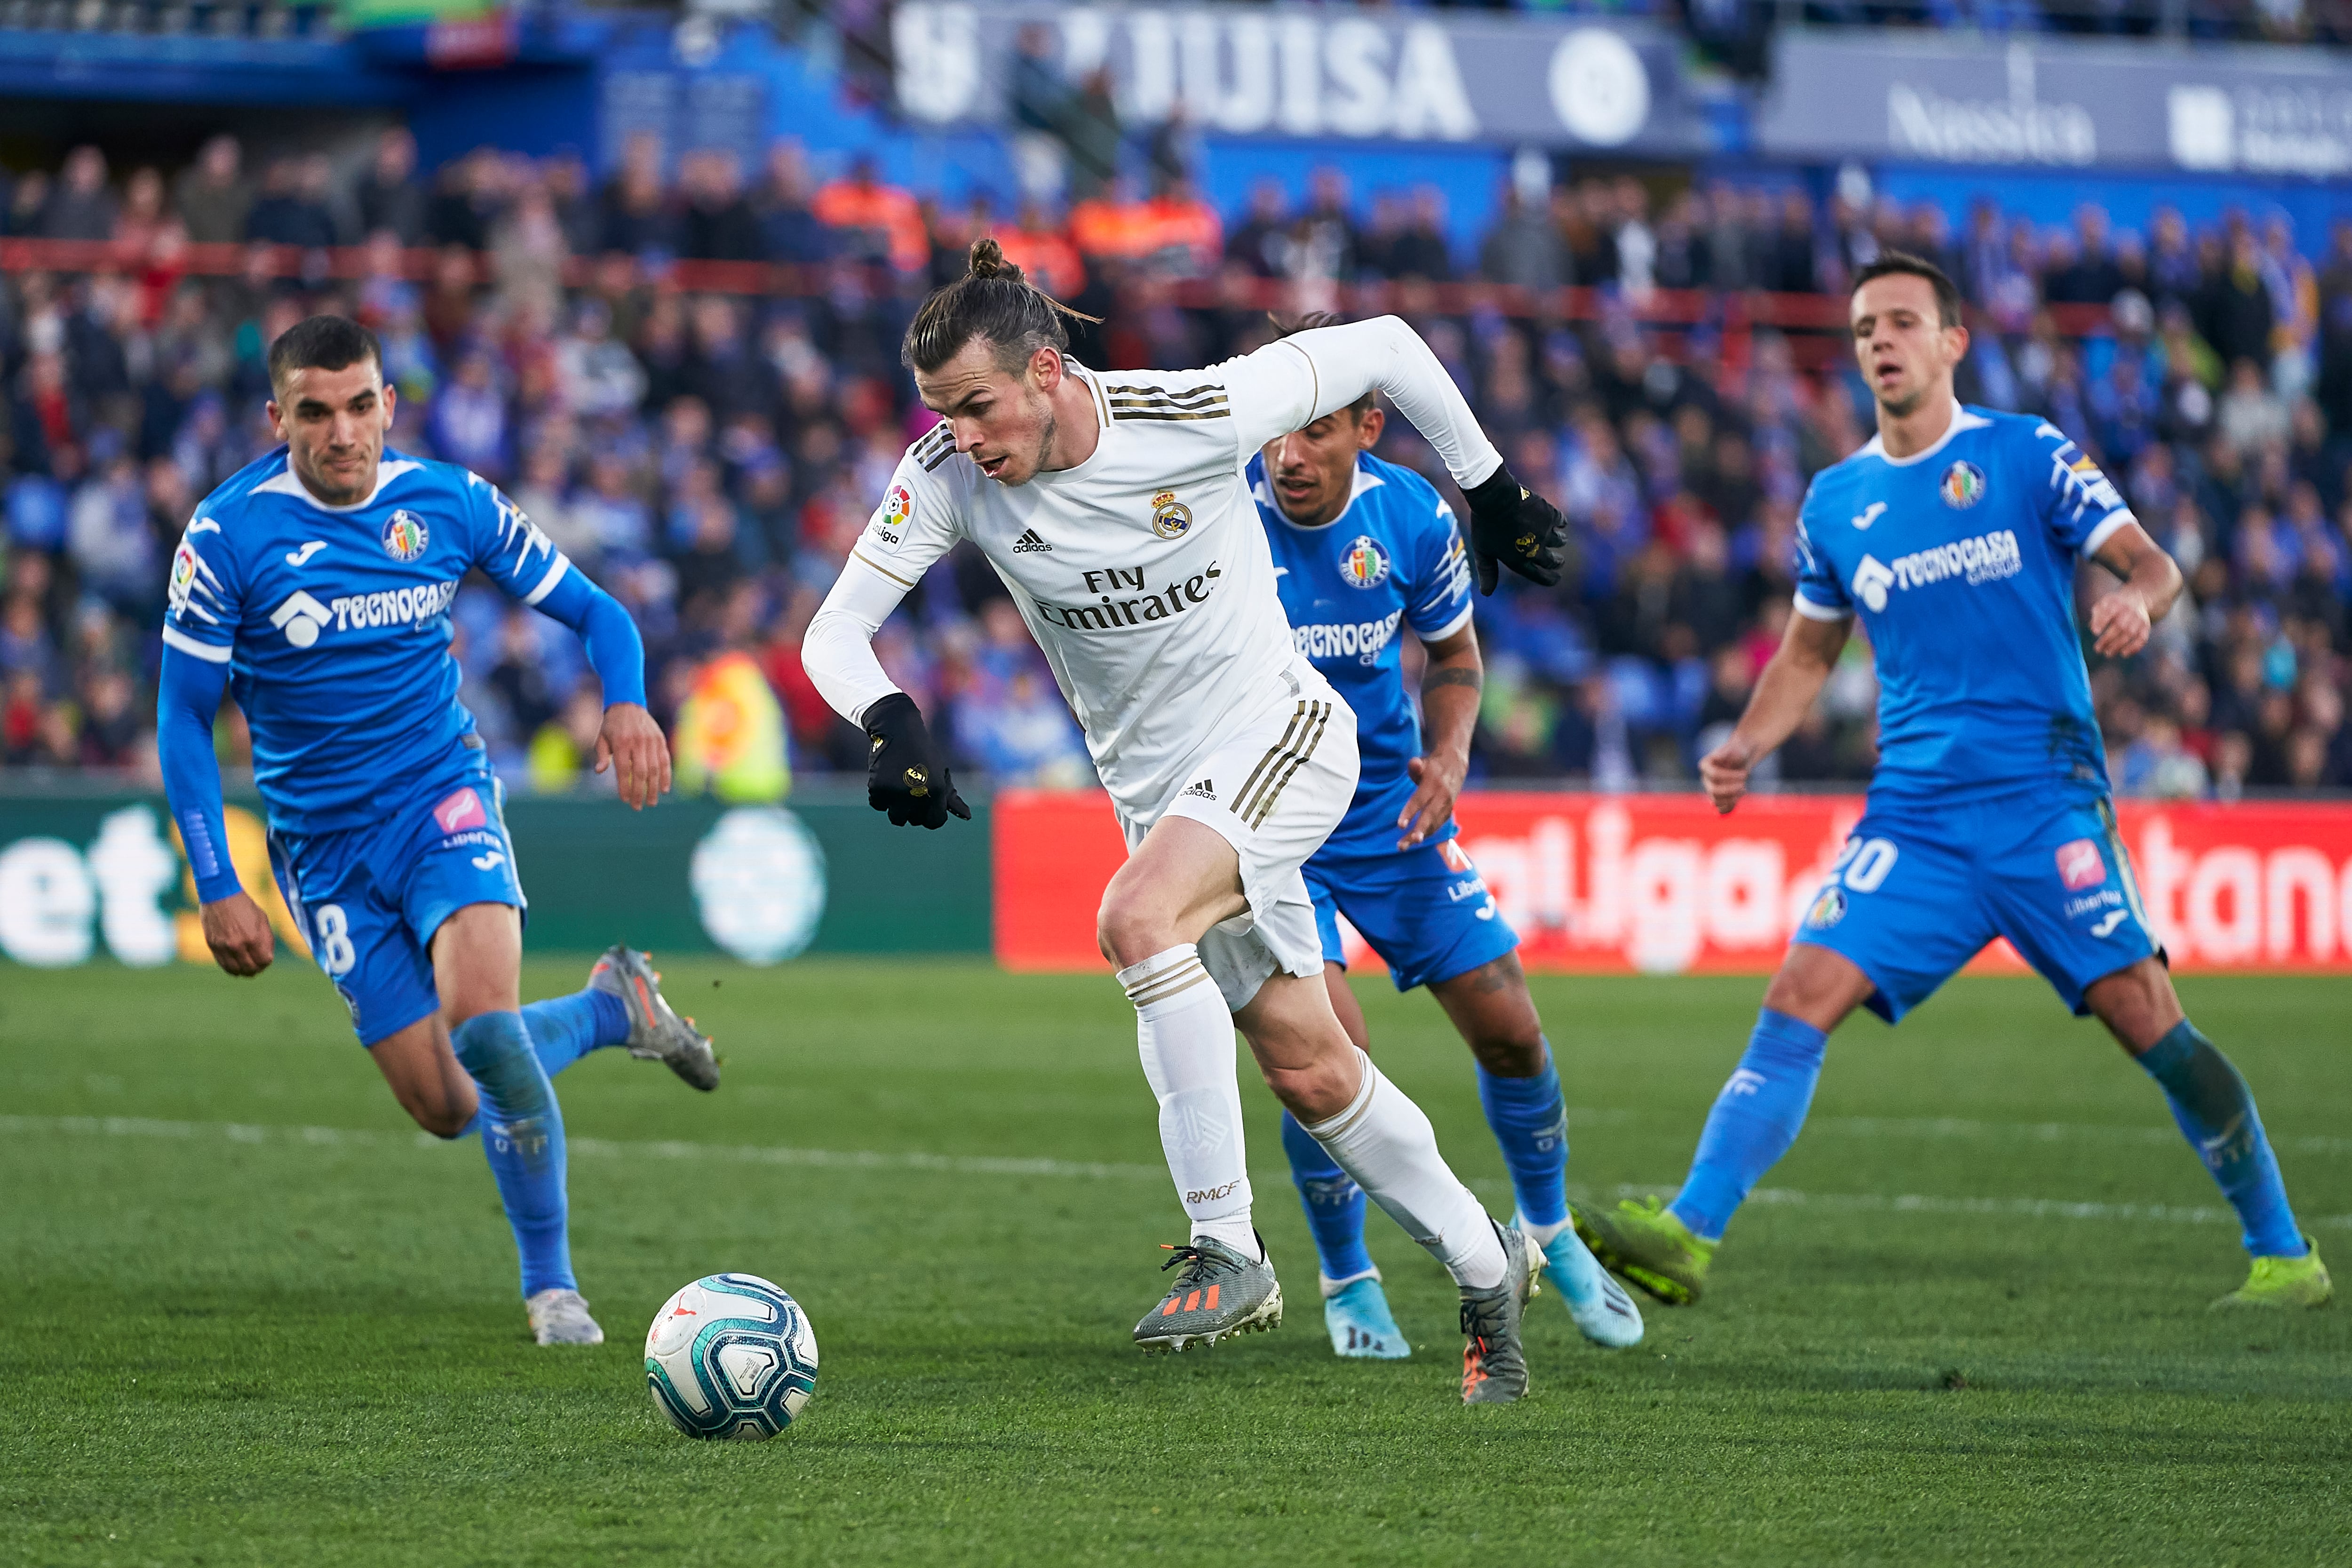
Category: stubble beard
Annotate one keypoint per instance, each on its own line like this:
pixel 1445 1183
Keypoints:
pixel 1045 442
pixel 316 481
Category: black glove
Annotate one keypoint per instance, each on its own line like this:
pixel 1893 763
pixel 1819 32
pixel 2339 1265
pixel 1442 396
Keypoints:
pixel 904 776
pixel 1512 526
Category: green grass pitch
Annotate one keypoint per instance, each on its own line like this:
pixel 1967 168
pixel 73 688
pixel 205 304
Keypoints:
pixel 1968 1325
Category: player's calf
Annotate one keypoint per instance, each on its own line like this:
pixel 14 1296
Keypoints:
pixel 2215 1111
pixel 426 1077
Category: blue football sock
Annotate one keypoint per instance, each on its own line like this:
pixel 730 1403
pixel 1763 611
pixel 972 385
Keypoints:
pixel 565 1028
pixel 1754 1121
pixel 1334 1203
pixel 1531 1124
pixel 522 1134
pixel 2216 1112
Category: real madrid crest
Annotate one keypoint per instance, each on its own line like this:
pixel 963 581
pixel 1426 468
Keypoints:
pixel 404 536
pixel 1169 517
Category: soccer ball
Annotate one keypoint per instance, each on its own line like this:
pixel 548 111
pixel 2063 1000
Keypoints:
pixel 731 1356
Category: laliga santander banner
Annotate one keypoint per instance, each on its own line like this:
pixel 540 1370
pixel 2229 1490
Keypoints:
pixel 1661 885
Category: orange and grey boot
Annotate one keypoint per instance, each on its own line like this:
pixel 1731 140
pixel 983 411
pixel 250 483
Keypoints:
pixel 1219 1292
pixel 1494 1363
pixel 656 1033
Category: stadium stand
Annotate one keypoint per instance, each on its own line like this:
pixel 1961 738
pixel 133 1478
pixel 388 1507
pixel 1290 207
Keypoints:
pixel 688 378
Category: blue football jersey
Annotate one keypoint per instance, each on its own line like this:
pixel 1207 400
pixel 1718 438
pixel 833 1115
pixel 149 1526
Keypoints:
pixel 1960 561
pixel 335 622
pixel 1393 558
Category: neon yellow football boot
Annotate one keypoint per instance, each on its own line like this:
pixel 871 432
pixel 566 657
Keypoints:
pixel 1650 1246
pixel 2284 1282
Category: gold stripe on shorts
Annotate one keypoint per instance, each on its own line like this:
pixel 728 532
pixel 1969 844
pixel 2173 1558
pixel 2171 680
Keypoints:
pixel 1307 749
pixel 1273 758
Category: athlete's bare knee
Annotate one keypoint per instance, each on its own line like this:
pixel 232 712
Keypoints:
pixel 1497 1017
pixel 1129 929
pixel 1313 1093
pixel 1818 986
pixel 1509 1056
pixel 478 962
pixel 2137 1004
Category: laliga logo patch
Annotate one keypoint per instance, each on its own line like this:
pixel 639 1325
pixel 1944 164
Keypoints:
pixel 1364 565
pixel 896 508
pixel 404 536
pixel 1169 517
pixel 1962 485
pixel 1827 910
pixel 183 577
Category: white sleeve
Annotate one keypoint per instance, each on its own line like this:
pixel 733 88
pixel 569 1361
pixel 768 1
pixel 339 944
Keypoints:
pixel 837 650
pixel 1299 379
pixel 914 526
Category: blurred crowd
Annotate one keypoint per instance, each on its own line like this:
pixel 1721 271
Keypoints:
pixel 708 457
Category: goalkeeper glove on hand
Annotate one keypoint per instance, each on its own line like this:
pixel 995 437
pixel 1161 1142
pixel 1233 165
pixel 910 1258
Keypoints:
pixel 903 775
pixel 1512 526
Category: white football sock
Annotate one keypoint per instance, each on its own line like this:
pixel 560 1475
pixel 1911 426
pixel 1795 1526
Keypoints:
pixel 1384 1141
pixel 1185 1037
pixel 1541 1234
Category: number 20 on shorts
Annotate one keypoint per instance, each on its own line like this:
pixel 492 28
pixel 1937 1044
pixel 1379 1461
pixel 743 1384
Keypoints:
pixel 1867 862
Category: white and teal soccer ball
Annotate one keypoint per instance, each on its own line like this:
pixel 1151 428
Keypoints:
pixel 731 1356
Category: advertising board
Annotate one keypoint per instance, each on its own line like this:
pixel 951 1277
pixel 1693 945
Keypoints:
pixel 1660 884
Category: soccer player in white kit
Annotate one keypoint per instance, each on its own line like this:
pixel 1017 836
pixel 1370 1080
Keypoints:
pixel 1114 508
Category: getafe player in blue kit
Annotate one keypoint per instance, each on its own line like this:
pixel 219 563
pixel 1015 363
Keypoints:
pixel 1954 537
pixel 1361 548
pixel 315 585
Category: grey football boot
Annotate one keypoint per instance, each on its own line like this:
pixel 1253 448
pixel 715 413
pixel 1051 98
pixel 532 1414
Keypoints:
pixel 1219 1292
pixel 656 1033
pixel 560 1317
pixel 1494 1363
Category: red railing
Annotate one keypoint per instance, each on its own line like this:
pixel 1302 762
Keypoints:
pixel 1813 322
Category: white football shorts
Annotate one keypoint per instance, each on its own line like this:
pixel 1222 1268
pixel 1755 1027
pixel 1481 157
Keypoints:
pixel 1275 791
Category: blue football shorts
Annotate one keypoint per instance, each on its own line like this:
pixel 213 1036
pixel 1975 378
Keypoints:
pixel 1425 910
pixel 1919 891
pixel 370 899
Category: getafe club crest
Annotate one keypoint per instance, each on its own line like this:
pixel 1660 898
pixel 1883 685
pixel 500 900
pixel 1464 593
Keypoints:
pixel 1169 517
pixel 1364 565
pixel 404 536
pixel 1962 485
pixel 1828 909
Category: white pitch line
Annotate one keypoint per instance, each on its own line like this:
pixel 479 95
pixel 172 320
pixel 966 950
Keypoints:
pixel 2041 1132
pixel 590 1148
pixel 1950 1127
pixel 990 1166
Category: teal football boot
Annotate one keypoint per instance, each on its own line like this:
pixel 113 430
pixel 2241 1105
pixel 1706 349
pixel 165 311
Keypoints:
pixel 1603 1312
pixel 1362 1326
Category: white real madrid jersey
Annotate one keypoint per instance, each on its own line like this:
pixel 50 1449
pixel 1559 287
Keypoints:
pixel 1144 572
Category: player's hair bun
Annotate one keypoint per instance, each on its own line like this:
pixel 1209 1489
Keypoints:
pixel 994 300
pixel 988 261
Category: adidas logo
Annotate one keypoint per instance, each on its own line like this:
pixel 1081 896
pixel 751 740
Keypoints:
pixel 1029 541
pixel 1203 788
